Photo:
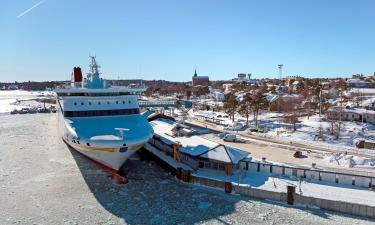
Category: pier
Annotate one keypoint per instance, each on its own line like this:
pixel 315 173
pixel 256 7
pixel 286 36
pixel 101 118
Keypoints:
pixel 251 177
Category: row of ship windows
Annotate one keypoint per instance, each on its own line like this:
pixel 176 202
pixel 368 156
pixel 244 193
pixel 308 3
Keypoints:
pixel 88 144
pixel 101 112
pixel 99 103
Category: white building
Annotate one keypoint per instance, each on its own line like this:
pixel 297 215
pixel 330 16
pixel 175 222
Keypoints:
pixel 219 96
pixel 357 83
pixel 227 87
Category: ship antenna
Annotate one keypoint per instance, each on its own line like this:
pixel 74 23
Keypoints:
pixel 94 67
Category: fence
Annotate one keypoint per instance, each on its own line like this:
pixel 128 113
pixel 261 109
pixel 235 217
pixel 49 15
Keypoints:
pixel 332 205
pixel 338 206
pixel 311 174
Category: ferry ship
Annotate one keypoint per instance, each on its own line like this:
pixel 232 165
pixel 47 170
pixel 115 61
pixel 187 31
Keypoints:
pixel 101 122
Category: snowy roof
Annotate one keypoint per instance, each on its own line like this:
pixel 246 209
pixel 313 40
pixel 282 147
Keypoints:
pixel 358 81
pixel 147 113
pixel 197 146
pixel 352 110
pixel 271 98
pixel 369 101
pixel 363 90
pixel 295 82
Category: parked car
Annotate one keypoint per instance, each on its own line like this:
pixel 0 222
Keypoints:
pixel 230 137
pixel 297 154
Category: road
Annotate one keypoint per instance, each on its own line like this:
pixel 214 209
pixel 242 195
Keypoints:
pixel 278 151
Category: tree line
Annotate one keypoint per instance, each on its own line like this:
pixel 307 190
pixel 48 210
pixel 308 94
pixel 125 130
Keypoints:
pixel 250 104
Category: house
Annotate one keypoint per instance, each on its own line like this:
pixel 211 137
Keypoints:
pixel 284 102
pixel 227 87
pixel 351 114
pixel 196 152
pixel 357 83
pixel 219 96
pixel 361 92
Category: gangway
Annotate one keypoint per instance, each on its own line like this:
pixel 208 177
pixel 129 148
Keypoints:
pixel 165 104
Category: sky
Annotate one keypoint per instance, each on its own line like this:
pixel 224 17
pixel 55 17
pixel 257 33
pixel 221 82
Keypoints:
pixel 168 39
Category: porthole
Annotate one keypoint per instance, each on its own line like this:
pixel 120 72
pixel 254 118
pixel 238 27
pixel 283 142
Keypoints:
pixel 116 102
pixel 75 103
pixel 123 102
pixel 130 102
pixel 108 103
pixel 82 103
pixel 98 103
pixel 89 103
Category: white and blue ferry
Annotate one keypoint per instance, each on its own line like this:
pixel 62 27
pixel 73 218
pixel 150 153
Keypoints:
pixel 101 122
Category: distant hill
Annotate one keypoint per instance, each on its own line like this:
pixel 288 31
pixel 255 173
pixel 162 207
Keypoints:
pixel 152 84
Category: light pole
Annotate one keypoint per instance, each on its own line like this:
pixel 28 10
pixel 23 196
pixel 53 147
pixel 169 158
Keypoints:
pixel 280 66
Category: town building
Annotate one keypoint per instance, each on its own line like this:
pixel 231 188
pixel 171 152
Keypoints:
pixel 200 80
pixel 219 96
pixel 358 83
pixel 284 103
pixel 227 87
pixel 361 92
pixel 351 114
pixel 245 78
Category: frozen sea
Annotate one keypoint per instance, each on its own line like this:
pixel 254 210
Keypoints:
pixel 42 181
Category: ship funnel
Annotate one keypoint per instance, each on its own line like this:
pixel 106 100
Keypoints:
pixel 77 74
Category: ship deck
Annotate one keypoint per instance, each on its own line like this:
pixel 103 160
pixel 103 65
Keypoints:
pixel 102 128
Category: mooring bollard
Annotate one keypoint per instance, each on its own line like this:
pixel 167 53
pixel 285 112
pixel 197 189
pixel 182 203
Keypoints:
pixel 228 187
pixel 290 194
pixel 179 173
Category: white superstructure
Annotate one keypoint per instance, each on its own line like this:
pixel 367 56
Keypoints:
pixel 101 122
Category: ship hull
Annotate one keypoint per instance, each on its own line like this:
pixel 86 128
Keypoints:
pixel 109 154
pixel 109 159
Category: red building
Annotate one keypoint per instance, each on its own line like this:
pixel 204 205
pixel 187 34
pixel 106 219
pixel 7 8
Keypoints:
pixel 200 80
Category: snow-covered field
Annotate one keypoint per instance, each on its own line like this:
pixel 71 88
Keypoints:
pixel 9 99
pixel 349 161
pixel 308 129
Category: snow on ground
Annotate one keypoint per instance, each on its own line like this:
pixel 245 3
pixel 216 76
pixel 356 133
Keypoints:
pixel 308 132
pixel 317 189
pixel 9 100
pixel 307 129
pixel 350 161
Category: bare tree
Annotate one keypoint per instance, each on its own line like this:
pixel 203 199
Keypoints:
pixel 230 104
pixel 245 107
pixel 259 101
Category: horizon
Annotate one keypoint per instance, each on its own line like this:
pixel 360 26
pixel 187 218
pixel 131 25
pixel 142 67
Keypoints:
pixel 165 40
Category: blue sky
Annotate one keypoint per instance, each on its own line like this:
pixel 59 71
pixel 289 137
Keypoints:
pixel 169 39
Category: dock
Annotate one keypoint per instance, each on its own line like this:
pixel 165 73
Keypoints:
pixel 216 165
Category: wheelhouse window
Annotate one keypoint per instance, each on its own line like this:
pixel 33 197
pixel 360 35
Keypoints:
pixel 101 112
